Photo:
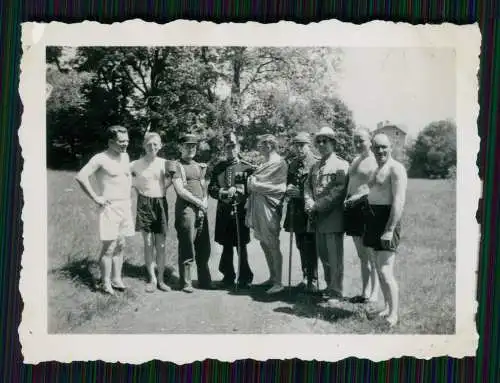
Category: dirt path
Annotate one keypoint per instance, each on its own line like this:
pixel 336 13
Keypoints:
pixel 225 312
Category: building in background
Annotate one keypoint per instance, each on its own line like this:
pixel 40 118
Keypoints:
pixel 397 135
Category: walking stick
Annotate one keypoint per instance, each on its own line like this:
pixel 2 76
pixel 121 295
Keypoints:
pixel 291 245
pixel 238 240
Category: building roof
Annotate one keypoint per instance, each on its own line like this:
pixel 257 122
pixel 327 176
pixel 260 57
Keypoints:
pixel 399 127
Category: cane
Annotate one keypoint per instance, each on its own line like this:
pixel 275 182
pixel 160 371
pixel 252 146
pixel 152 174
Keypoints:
pixel 238 240
pixel 291 245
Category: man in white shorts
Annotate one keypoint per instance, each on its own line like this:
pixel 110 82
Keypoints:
pixel 151 179
pixel 112 172
pixel 386 200
pixel 361 170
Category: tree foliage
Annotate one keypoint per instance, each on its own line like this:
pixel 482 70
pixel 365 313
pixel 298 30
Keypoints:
pixel 434 153
pixel 205 90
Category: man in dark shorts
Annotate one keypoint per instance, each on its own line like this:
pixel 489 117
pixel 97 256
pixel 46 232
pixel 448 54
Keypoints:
pixel 191 221
pixel 386 200
pixel 227 186
pixel 361 170
pixel 298 170
pixel 151 180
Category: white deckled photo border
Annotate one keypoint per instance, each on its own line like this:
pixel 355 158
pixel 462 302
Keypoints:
pixel 39 346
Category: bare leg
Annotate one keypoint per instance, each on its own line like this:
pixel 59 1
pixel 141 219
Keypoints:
pixel 269 260
pixel 149 260
pixel 369 275
pixel 385 261
pixel 117 261
pixel 106 256
pixel 365 267
pixel 277 261
pixel 161 258
pixel 374 280
pixel 277 264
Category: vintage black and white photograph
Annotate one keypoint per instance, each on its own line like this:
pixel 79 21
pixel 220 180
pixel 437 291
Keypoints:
pixel 230 189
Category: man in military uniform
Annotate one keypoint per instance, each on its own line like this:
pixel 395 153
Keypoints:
pixel 228 187
pixel 324 195
pixel 296 218
pixel 191 223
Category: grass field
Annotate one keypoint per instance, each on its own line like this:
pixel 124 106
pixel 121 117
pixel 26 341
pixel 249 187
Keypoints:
pixel 425 269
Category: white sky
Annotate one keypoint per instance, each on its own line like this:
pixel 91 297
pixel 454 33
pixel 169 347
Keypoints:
pixel 408 86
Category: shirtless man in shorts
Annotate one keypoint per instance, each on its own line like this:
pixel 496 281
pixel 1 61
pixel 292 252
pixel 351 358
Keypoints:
pixel 151 179
pixel 360 171
pixel 386 200
pixel 112 172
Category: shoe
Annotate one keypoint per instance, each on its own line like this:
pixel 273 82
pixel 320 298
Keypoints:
pixel 188 289
pixel 302 283
pixel 243 286
pixel 277 288
pixel 312 287
pixel 151 287
pixel 107 289
pixel 188 285
pixel 224 284
pixel 358 299
pixel 266 283
pixel 120 286
pixel 206 286
pixel 164 287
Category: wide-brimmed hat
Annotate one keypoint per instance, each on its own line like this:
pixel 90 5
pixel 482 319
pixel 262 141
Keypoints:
pixel 325 131
pixel 189 139
pixel 302 138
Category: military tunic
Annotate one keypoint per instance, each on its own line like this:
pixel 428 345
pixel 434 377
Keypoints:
pixel 305 239
pixel 224 176
pixel 326 186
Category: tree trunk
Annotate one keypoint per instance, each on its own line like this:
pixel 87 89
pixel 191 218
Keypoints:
pixel 237 69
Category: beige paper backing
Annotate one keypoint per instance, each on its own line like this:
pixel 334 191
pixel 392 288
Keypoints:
pixel 39 346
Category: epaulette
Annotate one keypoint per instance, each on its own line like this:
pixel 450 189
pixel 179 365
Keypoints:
pixel 203 164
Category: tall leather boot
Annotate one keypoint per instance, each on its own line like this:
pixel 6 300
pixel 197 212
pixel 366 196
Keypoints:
pixel 188 284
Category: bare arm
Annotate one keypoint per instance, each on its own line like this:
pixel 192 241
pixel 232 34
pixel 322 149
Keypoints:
pixel 399 182
pixel 185 194
pixel 83 178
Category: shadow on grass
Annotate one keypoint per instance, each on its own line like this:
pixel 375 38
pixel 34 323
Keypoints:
pixel 327 313
pixel 81 272
pixel 288 295
pixel 86 272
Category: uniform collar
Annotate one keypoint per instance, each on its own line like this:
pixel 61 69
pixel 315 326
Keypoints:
pixel 233 160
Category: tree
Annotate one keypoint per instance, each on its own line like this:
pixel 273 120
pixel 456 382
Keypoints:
pixel 204 90
pixel 434 152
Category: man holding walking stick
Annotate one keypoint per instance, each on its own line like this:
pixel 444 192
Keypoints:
pixel 296 217
pixel 228 187
pixel 324 194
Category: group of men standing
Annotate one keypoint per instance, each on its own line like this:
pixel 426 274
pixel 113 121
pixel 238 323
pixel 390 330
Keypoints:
pixel 325 199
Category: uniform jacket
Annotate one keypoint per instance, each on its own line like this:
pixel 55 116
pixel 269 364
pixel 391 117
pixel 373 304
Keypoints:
pixel 326 185
pixel 298 171
pixel 223 177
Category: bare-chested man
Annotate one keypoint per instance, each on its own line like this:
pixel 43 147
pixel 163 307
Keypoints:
pixel 112 172
pixel 360 171
pixel 386 200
